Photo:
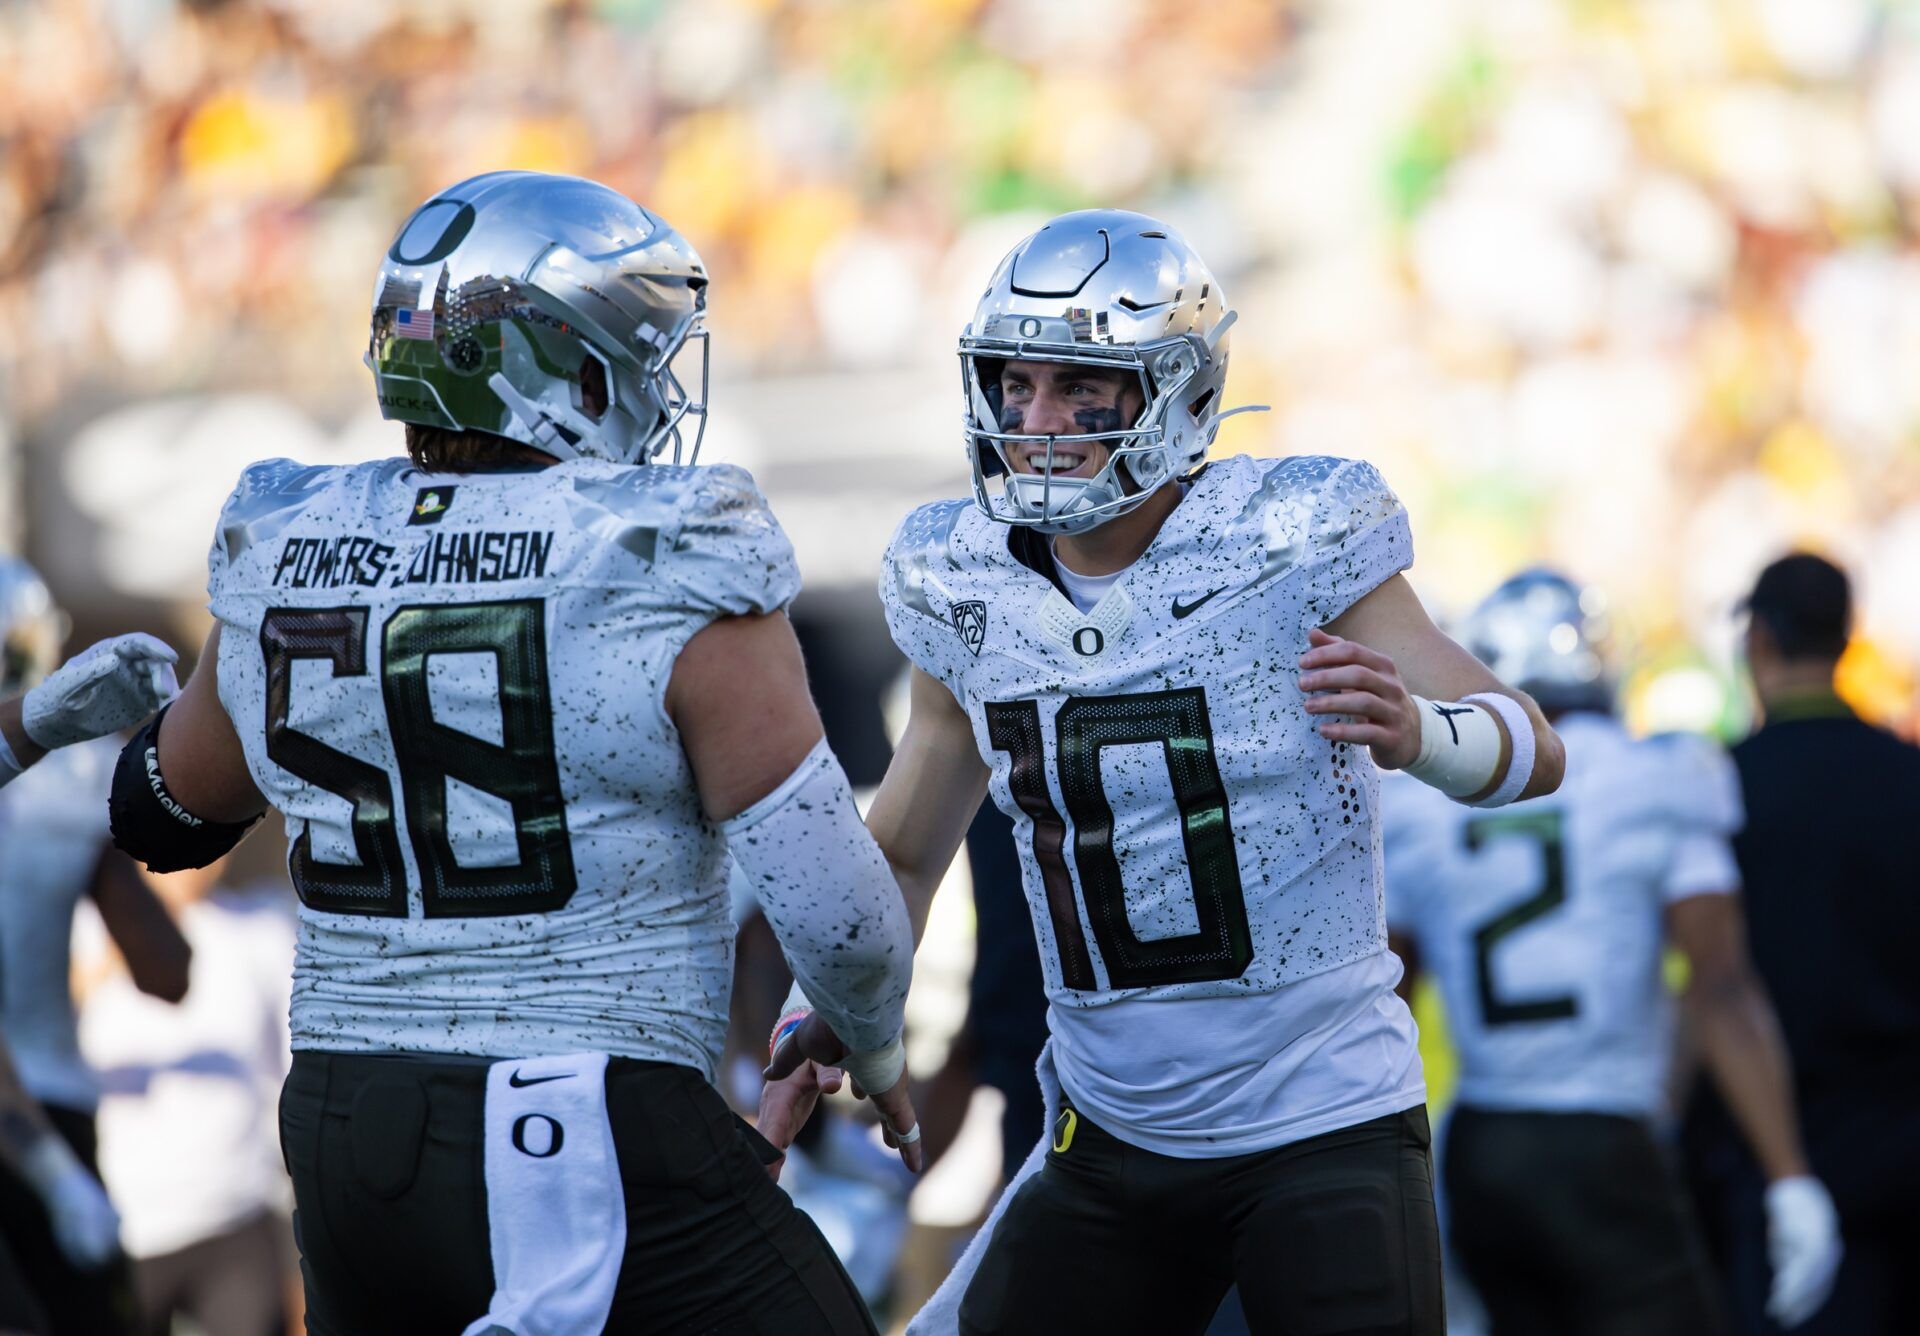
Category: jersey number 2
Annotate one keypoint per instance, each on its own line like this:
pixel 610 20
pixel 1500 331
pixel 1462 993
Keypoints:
pixel 1544 830
pixel 1222 948
pixel 520 769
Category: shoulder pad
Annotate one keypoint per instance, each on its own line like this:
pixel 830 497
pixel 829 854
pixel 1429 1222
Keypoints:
pixel 710 532
pixel 924 537
pixel 265 500
pixel 1693 781
pixel 1308 505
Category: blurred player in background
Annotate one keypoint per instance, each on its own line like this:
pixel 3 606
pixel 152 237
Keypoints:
pixel 1830 860
pixel 53 852
pixel 1545 926
pixel 517 695
pixel 1168 674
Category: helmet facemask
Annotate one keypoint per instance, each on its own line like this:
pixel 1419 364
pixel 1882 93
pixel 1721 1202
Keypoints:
pixel 1165 438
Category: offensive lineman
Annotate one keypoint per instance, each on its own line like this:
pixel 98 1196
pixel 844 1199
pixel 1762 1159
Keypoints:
pixel 1544 925
pixel 1167 677
pixel 517 698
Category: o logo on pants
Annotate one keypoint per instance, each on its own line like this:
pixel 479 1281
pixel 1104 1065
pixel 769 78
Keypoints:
pixel 556 1136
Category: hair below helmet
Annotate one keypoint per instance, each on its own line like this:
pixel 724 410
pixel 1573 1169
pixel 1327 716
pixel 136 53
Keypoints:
pixel 1543 633
pixel 500 293
pixel 32 625
pixel 1101 288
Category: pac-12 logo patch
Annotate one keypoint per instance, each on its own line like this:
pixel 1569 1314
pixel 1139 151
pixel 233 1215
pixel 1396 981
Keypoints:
pixel 430 505
pixel 970 620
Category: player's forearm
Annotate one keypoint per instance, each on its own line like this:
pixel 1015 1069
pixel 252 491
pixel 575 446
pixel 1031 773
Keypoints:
pixel 831 901
pixel 1740 1042
pixel 1549 753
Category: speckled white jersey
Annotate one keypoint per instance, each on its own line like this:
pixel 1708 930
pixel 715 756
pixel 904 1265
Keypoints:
pixel 452 687
pixel 1202 866
pixel 53 827
pixel 1543 921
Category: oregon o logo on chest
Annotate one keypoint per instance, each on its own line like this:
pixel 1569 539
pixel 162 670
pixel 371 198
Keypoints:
pixel 1089 641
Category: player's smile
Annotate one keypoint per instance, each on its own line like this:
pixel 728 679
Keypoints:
pixel 1064 401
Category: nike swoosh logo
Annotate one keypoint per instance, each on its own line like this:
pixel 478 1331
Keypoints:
pixel 517 1081
pixel 1188 609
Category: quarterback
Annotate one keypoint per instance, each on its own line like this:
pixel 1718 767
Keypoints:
pixel 1179 681
pixel 518 696
pixel 1545 926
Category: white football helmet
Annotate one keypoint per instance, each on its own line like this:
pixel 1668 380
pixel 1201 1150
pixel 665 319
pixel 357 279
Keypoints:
pixel 1103 288
pixel 499 294
pixel 33 627
pixel 1543 633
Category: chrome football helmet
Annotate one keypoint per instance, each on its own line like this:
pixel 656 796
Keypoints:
pixel 501 293
pixel 1543 633
pixel 1101 288
pixel 33 627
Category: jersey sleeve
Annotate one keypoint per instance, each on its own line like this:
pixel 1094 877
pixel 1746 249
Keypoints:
pixel 1695 785
pixel 1357 535
pixel 727 555
pixel 920 609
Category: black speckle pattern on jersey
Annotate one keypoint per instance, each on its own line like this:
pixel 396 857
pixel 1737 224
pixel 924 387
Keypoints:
pixel 1292 544
pixel 625 564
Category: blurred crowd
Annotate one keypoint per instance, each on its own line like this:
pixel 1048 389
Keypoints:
pixel 1627 284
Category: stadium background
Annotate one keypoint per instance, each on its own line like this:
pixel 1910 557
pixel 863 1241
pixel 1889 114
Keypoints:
pixel 1630 286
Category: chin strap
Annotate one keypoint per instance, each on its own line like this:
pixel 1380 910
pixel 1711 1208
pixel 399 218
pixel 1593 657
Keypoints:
pixel 547 434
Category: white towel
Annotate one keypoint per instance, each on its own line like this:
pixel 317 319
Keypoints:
pixel 555 1212
pixel 940 1315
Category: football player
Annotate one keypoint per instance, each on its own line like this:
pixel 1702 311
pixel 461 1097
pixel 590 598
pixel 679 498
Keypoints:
pixel 53 851
pixel 1178 681
pixel 1545 926
pixel 516 696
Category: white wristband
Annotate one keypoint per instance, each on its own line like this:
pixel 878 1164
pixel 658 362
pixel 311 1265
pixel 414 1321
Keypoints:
pixel 1459 746
pixel 1520 737
pixel 879 1069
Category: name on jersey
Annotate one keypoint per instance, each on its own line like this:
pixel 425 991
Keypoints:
pixel 484 557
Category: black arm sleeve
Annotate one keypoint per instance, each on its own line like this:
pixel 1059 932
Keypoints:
pixel 149 825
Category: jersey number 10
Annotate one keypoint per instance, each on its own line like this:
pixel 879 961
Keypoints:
pixel 521 769
pixel 1222 947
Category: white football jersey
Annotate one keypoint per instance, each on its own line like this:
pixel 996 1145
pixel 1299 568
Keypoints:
pixel 53 827
pixel 1543 922
pixel 1202 867
pixel 452 686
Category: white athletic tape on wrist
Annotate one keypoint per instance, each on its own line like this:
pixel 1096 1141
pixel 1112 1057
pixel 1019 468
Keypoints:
pixel 1459 746
pixel 879 1069
pixel 1520 735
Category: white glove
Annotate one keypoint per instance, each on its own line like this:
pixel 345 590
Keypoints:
pixel 1803 1242
pixel 102 689
pixel 85 1225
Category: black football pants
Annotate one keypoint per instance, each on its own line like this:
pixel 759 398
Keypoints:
pixel 1334 1234
pixel 1574 1224
pixel 387 1158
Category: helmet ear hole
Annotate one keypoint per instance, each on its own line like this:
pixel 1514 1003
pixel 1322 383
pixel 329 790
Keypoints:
pixel 593 393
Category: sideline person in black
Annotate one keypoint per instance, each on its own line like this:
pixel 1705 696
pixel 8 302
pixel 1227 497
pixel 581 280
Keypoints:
pixel 1830 859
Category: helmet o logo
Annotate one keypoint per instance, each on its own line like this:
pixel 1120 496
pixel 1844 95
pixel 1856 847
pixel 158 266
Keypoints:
pixel 1029 328
pixel 1088 641
pixel 432 233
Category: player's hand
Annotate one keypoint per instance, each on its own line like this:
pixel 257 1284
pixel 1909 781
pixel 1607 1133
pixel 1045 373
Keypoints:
pixel 795 1080
pixel 1803 1243
pixel 813 1040
pixel 85 1225
pixel 104 688
pixel 1344 677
